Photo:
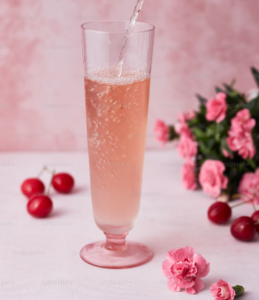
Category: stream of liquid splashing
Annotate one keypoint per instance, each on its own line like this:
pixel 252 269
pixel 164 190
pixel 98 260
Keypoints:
pixel 128 34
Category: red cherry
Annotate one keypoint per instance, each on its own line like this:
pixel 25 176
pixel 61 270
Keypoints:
pixel 39 206
pixel 63 182
pixel 243 229
pixel 255 218
pixel 32 186
pixel 219 212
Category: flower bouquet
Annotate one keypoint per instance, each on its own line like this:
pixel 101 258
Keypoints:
pixel 219 143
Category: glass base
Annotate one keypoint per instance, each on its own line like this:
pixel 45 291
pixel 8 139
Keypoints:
pixel 100 254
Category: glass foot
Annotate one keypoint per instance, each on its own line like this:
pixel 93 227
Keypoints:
pixel 130 255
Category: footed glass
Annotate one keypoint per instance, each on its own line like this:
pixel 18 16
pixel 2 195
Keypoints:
pixel 117 97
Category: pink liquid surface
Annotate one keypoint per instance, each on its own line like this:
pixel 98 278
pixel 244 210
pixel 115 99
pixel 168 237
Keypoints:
pixel 117 110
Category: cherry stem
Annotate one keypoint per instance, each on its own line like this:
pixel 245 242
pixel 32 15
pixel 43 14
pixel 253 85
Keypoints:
pixel 257 223
pixel 242 203
pixel 48 170
pixel 250 200
pixel 53 173
pixel 42 171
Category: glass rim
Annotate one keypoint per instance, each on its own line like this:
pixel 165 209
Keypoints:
pixel 152 27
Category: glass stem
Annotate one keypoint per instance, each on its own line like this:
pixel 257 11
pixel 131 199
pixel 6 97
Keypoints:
pixel 115 242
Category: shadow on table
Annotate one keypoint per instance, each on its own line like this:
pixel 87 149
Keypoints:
pixel 76 190
pixel 56 213
pixel 163 242
pixel 246 295
pixel 208 281
pixel 79 189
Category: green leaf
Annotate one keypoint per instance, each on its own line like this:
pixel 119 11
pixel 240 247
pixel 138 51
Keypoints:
pixel 220 127
pixel 201 99
pixel 256 158
pixel 256 75
pixel 242 166
pixel 211 143
pixel 198 133
pixel 219 90
pixel 239 290
pixel 233 109
pixel 193 122
pixel 253 106
pixel 203 110
pixel 172 134
pixel 224 145
pixel 251 163
pixel 233 82
pixel 234 94
pixel 204 149
pixel 228 88
pixel 211 131
pixel 217 137
pixel 207 152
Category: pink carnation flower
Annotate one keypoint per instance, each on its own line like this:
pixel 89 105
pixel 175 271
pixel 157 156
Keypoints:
pixel 188 175
pixel 161 132
pixel 222 290
pixel 249 186
pixel 216 108
pixel 187 116
pixel 184 268
pixel 182 128
pixel 239 137
pixel 211 177
pixel 187 147
pixel 242 121
pixel 243 143
pixel 181 118
pixel 226 153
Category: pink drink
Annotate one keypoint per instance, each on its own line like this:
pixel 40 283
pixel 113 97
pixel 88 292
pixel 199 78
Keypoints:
pixel 117 105
pixel 117 110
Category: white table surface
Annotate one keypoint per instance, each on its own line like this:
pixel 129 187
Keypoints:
pixel 39 258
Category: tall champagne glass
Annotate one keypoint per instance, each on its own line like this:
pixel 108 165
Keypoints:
pixel 116 114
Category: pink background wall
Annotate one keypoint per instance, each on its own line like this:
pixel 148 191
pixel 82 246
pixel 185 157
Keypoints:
pixel 198 43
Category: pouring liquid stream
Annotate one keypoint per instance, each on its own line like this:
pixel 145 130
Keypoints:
pixel 128 34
